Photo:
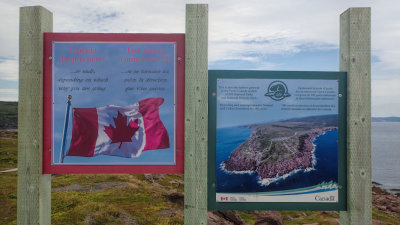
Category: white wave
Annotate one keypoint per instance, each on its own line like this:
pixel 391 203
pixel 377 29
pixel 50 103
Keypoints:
pixel 313 157
pixel 329 185
pixel 268 181
pixel 309 169
pixel 222 166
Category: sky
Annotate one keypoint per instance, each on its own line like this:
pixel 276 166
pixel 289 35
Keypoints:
pixel 301 35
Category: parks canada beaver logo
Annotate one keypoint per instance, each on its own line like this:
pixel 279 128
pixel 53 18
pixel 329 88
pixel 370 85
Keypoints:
pixel 277 90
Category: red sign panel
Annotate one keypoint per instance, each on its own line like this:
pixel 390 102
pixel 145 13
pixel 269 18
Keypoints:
pixel 113 103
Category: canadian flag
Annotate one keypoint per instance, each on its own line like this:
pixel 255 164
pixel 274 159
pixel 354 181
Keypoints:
pixel 124 131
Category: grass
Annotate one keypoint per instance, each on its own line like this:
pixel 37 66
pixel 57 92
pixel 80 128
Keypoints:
pixel 305 217
pixel 8 149
pixel 320 217
pixel 8 115
pixel 139 199
pixel 389 219
pixel 134 199
pixel 248 217
pixel 8 181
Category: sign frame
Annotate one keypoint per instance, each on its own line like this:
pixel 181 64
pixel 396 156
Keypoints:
pixel 179 62
pixel 214 75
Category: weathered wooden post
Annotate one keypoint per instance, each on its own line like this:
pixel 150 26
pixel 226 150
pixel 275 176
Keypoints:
pixel 196 113
pixel 34 189
pixel 355 59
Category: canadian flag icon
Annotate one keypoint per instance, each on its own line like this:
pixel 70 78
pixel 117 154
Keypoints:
pixel 224 198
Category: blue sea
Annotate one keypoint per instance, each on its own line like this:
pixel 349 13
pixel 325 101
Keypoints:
pixel 386 155
pixel 325 169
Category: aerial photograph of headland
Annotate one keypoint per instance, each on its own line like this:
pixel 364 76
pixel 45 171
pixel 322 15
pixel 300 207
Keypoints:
pixel 293 158
pixel 276 149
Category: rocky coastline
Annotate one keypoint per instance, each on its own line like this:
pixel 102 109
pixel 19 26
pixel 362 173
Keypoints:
pixel 301 158
pixel 384 200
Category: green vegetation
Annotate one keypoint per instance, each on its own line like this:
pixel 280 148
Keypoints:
pixel 8 115
pixel 248 216
pixel 8 152
pixel 319 217
pixel 8 181
pixel 95 198
pixel 389 219
pixel 136 200
pixel 306 217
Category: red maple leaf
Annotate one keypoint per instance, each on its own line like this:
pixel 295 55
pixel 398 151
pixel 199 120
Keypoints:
pixel 122 132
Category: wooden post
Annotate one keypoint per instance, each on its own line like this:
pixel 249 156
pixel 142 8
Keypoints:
pixel 355 59
pixel 196 113
pixel 34 189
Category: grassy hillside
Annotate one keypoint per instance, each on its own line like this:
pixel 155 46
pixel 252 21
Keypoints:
pixel 95 199
pixel 8 115
pixel 125 199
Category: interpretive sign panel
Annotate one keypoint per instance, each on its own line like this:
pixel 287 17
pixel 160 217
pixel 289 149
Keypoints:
pixel 277 140
pixel 113 103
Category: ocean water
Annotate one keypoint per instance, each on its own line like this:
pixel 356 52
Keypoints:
pixel 386 155
pixel 325 170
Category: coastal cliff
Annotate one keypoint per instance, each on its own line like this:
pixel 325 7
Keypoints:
pixel 275 149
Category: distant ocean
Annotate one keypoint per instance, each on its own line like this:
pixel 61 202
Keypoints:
pixel 228 139
pixel 386 155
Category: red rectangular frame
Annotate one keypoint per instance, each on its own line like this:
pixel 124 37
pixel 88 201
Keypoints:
pixel 112 37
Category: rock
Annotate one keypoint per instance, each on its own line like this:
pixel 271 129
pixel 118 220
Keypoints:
pixel 148 177
pixel 119 218
pixel 288 218
pixel 385 201
pixel 394 190
pixel 329 213
pixel 157 185
pixel 269 218
pixel 128 219
pixel 377 222
pixel 335 221
pixel 230 215
pixel 379 191
pixel 177 183
pixel 176 197
pixel 216 220
pixel 98 187
pixel 158 176
pixel 376 183
pixel 166 213
pixel 302 214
